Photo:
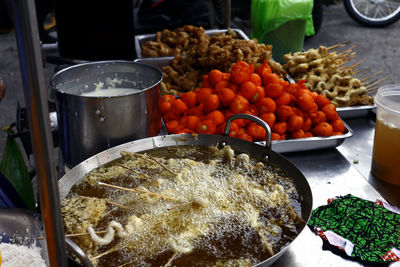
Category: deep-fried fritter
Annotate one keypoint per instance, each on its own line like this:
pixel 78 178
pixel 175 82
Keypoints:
pixel 196 54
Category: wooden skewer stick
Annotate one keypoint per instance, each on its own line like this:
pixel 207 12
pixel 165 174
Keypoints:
pixel 371 90
pixel 102 254
pixel 77 234
pixel 265 242
pixel 370 76
pixel 152 159
pixel 118 187
pixel 362 72
pixel 180 205
pixel 338 45
pixel 347 57
pixel 86 233
pixel 376 83
pixel 346 51
pixel 171 259
pixel 162 165
pixel 116 204
pixel 344 60
pixel 138 190
pixel 158 195
pixel 295 214
pixel 356 64
pixel 343 55
pixel 370 82
pixel 351 56
pixel 133 154
pixel 111 210
pixel 342 63
pixel 124 264
pixel 133 171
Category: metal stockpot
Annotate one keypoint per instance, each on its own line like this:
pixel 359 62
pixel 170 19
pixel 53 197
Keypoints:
pixel 262 153
pixel 90 124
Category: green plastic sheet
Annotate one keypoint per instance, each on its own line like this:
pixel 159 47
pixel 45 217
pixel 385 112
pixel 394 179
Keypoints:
pixel 13 167
pixel 370 230
pixel 268 15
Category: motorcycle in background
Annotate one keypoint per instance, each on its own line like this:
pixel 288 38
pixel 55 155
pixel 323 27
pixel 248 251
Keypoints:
pixel 373 13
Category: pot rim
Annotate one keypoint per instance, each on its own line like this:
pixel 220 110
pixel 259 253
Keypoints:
pixel 53 78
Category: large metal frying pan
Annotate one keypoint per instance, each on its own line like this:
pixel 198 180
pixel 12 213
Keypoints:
pixel 262 153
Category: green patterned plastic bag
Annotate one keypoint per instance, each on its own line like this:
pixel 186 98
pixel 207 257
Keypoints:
pixel 365 230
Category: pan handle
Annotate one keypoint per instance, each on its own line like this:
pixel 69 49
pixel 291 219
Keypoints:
pixel 252 118
pixel 78 252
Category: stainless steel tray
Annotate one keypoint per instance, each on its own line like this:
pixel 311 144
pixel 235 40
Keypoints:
pixel 355 112
pixel 309 143
pixel 294 145
pixel 159 62
pixel 156 62
pixel 303 144
pixel 140 39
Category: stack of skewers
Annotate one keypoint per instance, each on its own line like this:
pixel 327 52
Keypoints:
pixel 326 72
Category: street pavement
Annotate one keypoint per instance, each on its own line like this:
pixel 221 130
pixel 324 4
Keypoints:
pixel 379 47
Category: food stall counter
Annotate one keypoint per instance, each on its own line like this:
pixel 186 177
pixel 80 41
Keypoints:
pixel 338 172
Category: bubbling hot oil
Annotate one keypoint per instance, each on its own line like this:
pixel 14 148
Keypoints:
pixel 224 233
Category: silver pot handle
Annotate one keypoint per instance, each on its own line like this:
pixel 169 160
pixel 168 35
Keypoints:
pixel 252 118
pixel 78 252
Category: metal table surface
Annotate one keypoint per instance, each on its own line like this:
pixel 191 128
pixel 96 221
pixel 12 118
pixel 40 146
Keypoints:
pixel 335 172
pixel 358 150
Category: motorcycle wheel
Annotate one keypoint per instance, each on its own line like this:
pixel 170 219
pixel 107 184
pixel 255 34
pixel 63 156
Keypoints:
pixel 374 13
pixel 317 14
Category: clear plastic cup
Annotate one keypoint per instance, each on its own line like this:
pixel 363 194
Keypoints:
pixel 386 150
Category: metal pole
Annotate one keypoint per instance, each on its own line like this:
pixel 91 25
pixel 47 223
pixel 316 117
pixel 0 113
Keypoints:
pixel 227 13
pixel 36 101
